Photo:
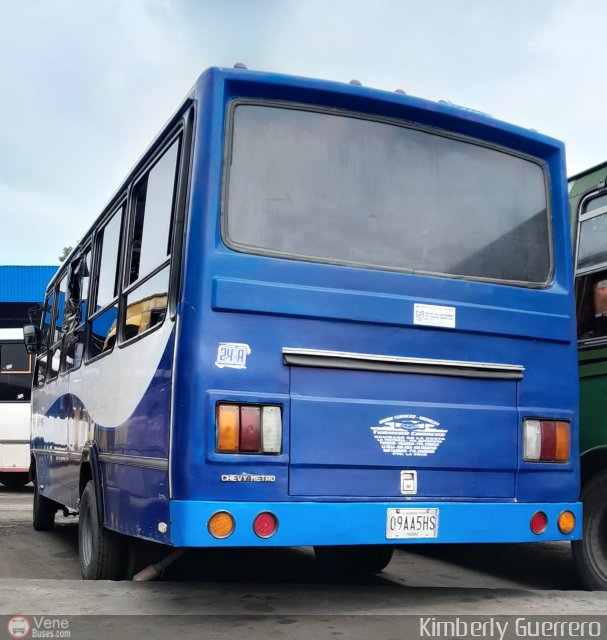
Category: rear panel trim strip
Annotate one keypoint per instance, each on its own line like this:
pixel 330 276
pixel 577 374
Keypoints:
pixel 397 364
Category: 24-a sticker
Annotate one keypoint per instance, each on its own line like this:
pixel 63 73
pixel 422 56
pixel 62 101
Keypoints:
pixel 232 355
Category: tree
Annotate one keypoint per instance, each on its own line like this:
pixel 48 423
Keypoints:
pixel 65 253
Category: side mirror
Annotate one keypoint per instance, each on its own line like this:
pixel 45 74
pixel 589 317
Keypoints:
pixel 32 338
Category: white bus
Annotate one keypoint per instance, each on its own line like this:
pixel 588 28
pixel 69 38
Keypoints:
pixel 15 394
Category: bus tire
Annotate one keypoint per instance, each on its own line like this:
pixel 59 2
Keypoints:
pixel 103 553
pixel 44 510
pixel 14 480
pixel 590 553
pixel 355 559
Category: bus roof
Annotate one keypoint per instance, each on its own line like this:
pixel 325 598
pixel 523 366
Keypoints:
pixel 581 174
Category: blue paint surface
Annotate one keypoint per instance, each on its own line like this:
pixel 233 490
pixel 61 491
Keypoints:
pixel 310 523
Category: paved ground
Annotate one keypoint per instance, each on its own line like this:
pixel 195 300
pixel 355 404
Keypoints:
pixel 39 574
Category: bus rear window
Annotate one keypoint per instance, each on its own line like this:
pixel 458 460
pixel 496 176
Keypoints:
pixel 15 373
pixel 14 358
pixel 334 188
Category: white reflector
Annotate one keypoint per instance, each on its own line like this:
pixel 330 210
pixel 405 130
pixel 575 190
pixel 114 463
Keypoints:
pixel 532 440
pixel 271 429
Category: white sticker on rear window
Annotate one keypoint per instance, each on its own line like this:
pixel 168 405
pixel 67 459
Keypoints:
pixel 409 435
pixel 433 315
pixel 232 355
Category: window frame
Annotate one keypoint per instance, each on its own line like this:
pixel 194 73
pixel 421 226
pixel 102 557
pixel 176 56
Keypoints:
pixel 584 217
pixel 83 324
pixel 51 291
pixel 58 343
pixel 175 135
pixel 585 272
pixel 282 104
pixel 97 251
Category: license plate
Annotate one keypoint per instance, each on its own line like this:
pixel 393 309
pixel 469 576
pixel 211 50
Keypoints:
pixel 411 523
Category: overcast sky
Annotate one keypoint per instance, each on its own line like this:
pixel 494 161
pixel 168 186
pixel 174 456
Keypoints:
pixel 85 85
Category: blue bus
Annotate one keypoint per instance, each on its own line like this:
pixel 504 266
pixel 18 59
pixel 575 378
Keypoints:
pixel 315 314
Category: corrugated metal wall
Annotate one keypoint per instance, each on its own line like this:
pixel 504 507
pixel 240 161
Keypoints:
pixel 24 283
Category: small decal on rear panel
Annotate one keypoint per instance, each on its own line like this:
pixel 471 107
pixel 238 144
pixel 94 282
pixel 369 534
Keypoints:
pixel 409 435
pixel 432 315
pixel 232 355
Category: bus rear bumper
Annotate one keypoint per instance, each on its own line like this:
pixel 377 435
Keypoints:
pixel 342 523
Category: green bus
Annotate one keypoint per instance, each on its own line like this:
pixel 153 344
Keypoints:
pixel 588 205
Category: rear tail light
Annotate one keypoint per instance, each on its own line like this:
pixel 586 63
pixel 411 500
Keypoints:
pixel 221 524
pixel 271 431
pixel 546 441
pixel 566 522
pixel 539 522
pixel 563 441
pixel 228 427
pixel 250 429
pixel 265 524
pixel 246 428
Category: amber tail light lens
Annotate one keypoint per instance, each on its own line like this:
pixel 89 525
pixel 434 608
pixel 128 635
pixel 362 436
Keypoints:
pixel 228 428
pixel 221 524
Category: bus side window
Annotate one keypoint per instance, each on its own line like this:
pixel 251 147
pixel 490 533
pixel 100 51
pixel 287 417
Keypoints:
pixel 56 346
pixel 75 310
pixel 104 311
pixel 47 320
pixel 46 326
pixel 150 245
pixel 591 305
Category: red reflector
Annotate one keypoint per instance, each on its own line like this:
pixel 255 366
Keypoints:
pixel 548 451
pixel 539 522
pixel 265 524
pixel 250 429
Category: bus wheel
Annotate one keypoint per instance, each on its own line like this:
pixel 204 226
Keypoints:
pixel 590 554
pixel 14 480
pixel 103 553
pixel 356 559
pixel 44 510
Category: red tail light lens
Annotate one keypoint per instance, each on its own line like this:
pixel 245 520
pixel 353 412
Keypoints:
pixel 265 524
pixel 250 429
pixel 539 522
pixel 548 450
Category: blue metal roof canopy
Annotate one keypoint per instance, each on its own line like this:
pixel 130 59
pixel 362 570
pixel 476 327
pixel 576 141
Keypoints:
pixel 24 283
